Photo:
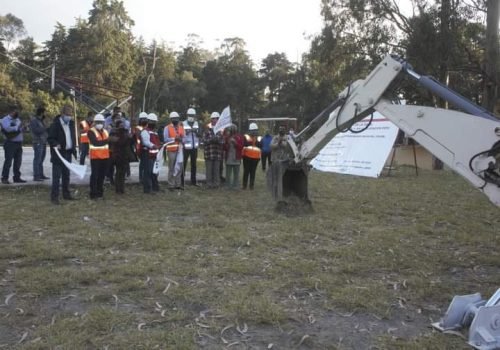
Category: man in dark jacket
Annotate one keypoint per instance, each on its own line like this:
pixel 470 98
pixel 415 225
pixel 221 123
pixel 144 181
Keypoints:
pixel 39 139
pixel 61 137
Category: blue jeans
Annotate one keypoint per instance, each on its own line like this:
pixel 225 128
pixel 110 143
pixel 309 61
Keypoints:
pixel 13 152
pixel 40 150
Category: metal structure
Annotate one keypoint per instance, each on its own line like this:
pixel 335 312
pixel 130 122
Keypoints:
pixel 467 141
pixel 481 316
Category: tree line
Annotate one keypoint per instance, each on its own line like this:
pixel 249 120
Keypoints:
pixel 454 40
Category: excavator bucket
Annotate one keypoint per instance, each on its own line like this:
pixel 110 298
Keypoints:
pixel 294 182
pixel 289 185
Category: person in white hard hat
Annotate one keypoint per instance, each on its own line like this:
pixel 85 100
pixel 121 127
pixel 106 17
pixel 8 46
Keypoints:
pixel 212 144
pixel 150 145
pixel 141 124
pixel 191 143
pixel 251 155
pixel 173 135
pixel 99 156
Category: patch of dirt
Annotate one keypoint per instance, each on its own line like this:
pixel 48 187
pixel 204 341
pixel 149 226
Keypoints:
pixel 331 329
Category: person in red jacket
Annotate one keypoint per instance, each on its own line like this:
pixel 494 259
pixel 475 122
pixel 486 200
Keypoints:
pixel 233 146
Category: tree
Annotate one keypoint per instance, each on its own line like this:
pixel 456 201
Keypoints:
pixel 55 48
pixel 231 80
pixel 11 29
pixel 491 56
pixel 274 73
pixel 109 51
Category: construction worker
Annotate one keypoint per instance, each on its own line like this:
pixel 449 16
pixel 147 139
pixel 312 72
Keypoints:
pixel 251 155
pixel 150 145
pixel 85 126
pixel 99 156
pixel 173 135
pixel 141 124
pixel 191 143
pixel 212 145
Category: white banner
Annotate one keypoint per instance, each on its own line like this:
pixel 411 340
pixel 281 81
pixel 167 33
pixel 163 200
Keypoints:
pixel 224 120
pixel 158 164
pixel 362 154
pixel 179 161
pixel 79 170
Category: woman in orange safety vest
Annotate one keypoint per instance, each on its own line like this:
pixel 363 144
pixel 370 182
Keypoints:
pixel 251 155
pixel 99 156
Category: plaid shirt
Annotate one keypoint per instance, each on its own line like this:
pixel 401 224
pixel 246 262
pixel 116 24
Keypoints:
pixel 212 145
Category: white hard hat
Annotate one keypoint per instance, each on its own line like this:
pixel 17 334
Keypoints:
pixel 253 126
pixel 174 115
pixel 191 111
pixel 143 115
pixel 214 115
pixel 99 118
pixel 153 117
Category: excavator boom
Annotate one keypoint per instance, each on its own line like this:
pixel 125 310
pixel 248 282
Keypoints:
pixel 467 141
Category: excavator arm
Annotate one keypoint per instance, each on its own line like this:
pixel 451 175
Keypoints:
pixel 467 141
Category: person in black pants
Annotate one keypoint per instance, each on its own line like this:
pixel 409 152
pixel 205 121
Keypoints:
pixel 120 151
pixel 13 145
pixel 61 137
pixel 251 155
pixel 150 144
pixel 191 143
pixel 99 156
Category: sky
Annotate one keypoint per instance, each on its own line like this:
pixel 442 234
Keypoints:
pixel 267 26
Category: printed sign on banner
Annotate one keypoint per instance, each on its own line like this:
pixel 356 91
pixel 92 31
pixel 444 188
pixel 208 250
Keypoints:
pixel 224 120
pixel 362 154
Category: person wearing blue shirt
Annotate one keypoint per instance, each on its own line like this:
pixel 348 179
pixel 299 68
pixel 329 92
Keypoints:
pixel 266 150
pixel 13 145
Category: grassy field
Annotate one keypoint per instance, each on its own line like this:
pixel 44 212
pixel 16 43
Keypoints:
pixel 373 265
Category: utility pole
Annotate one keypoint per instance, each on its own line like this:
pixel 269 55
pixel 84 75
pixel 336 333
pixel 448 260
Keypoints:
pixel 72 92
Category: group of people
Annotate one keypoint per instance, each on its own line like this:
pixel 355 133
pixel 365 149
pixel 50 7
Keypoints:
pixel 111 144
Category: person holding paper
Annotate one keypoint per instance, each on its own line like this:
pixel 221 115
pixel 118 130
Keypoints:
pixel 62 137
pixel 173 135
pixel 150 144
pixel 99 156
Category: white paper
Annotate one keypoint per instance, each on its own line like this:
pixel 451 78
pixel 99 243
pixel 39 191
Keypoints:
pixel 362 154
pixel 77 169
pixel 179 161
pixel 158 164
pixel 224 120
